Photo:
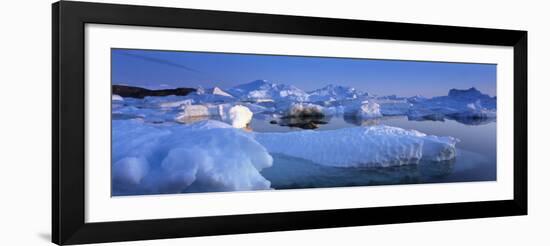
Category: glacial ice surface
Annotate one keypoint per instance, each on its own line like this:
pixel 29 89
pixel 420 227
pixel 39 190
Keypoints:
pixel 237 115
pixel 360 146
pixel 335 93
pixel 200 157
pixel 461 105
pixel 262 90
pixel 116 97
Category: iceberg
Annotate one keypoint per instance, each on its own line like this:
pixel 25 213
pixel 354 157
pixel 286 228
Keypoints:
pixel 199 110
pixel 240 116
pixel 373 146
pixel 468 106
pixel 369 110
pixel 393 106
pixel 237 115
pixel 200 157
pixel 176 104
pixel 366 109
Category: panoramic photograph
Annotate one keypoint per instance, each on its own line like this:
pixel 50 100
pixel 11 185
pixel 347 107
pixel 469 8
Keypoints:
pixel 194 122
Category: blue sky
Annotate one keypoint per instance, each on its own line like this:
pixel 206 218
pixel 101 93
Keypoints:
pixel 170 69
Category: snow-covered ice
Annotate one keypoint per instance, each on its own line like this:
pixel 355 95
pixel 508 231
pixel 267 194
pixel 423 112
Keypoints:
pixel 458 104
pixel 360 146
pixel 335 93
pixel 176 104
pixel 200 157
pixel 368 110
pixel 262 90
pixel 116 97
pixel 153 153
pixel 240 116
pixel 237 115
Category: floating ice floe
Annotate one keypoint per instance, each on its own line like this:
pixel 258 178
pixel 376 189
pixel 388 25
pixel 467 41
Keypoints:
pixel 214 156
pixel 200 157
pixel 360 146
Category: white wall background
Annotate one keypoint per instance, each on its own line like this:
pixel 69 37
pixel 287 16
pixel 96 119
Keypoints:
pixel 25 100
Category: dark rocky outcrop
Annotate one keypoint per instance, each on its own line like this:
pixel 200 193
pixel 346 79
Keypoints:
pixel 303 122
pixel 138 92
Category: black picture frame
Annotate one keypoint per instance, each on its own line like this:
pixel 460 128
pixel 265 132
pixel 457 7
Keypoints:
pixel 68 107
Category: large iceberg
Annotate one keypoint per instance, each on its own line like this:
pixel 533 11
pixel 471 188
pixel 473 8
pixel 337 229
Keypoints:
pixel 361 109
pixel 467 106
pixel 201 157
pixel 360 146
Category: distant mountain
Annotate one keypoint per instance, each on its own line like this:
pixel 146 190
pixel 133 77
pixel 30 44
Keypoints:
pixel 334 93
pixel 138 92
pixel 262 90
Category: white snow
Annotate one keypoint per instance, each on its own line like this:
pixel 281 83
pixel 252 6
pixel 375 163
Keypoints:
pixel 212 91
pixel 240 116
pixel 334 93
pixel 206 156
pixel 237 115
pixel 369 110
pixel 130 170
pixel 199 110
pixel 261 90
pixel 116 97
pixel 360 146
pixel 219 92
pixel 176 104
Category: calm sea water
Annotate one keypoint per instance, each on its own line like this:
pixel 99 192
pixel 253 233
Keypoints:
pixel 475 161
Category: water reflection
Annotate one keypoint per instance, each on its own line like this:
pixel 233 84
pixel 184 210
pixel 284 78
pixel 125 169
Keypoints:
pixel 361 122
pixel 474 120
pixel 291 173
pixel 470 120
